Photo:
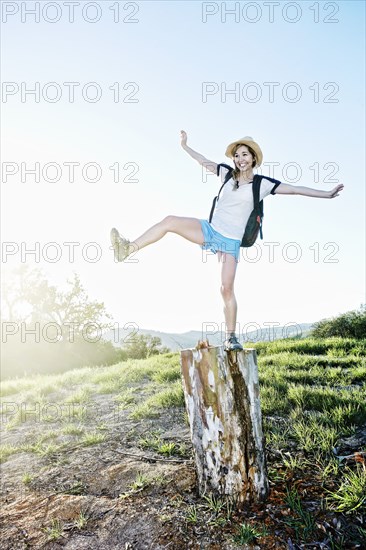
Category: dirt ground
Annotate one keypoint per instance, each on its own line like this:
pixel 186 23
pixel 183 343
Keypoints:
pixel 89 480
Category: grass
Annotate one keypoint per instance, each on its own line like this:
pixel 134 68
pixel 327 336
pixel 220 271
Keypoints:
pixel 292 461
pixel 170 396
pixel 192 514
pixel 247 533
pixel 326 346
pixel 274 400
pixel 39 384
pixel 80 396
pixel 351 494
pixel 81 520
pixel 312 393
pixel 126 399
pixel 329 468
pixel 72 429
pixel 111 386
pixel 311 436
pixel 159 368
pixel 77 488
pixel 92 438
pixel 166 448
pixel 43 445
pixel 344 416
pixel 15 386
pixel 212 510
pixel 214 504
pixel 144 410
pixel 78 411
pixel 55 531
pixel 302 521
pixel 316 386
pixel 40 449
pixel 27 478
pixel 7 450
pixel 18 417
pixel 139 484
pixel 170 374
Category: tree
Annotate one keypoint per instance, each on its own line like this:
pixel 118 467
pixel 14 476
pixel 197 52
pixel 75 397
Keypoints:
pixel 46 329
pixel 351 324
pixel 30 298
pixel 14 291
pixel 143 346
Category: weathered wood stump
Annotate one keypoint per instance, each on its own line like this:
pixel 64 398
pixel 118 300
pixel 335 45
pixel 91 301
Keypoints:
pixel 221 393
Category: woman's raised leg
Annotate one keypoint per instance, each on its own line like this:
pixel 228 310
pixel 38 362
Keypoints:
pixel 189 228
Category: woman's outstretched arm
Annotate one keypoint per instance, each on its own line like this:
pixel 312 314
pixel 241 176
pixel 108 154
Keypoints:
pixel 286 189
pixel 208 164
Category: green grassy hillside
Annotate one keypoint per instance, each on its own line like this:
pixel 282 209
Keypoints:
pixel 120 432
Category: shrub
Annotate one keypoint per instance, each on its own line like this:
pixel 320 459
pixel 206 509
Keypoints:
pixel 351 324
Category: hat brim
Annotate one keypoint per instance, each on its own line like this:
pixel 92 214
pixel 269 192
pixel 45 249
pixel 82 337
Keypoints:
pixel 230 148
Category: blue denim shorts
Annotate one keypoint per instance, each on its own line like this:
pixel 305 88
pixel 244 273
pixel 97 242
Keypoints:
pixel 215 242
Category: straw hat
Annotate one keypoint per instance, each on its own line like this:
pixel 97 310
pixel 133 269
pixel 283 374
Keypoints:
pixel 247 140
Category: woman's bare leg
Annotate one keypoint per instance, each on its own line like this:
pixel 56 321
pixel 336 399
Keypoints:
pixel 189 228
pixel 228 272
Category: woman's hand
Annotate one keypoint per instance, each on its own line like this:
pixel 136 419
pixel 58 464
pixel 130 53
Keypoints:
pixel 335 192
pixel 208 164
pixel 183 138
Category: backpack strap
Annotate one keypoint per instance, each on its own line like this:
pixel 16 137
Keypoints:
pixel 256 188
pixel 230 171
pixel 229 168
pixel 258 205
pixel 226 179
pixel 212 209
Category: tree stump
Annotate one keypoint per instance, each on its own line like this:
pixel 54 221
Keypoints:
pixel 221 392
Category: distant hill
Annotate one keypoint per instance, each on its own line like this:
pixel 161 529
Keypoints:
pixel 185 340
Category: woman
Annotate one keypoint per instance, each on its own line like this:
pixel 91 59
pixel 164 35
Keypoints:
pixel 223 235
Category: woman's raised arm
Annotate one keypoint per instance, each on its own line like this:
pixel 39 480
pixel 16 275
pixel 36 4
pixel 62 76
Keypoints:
pixel 287 189
pixel 208 164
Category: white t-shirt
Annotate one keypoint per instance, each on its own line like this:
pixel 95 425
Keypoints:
pixel 234 206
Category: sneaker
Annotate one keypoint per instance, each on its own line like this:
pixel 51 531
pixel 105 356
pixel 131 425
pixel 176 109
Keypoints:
pixel 120 245
pixel 232 344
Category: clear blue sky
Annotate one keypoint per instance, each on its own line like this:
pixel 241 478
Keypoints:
pixel 170 53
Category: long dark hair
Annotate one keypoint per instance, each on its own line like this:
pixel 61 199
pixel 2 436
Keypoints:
pixel 236 172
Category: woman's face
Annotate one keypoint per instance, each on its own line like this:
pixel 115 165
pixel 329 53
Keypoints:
pixel 243 158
